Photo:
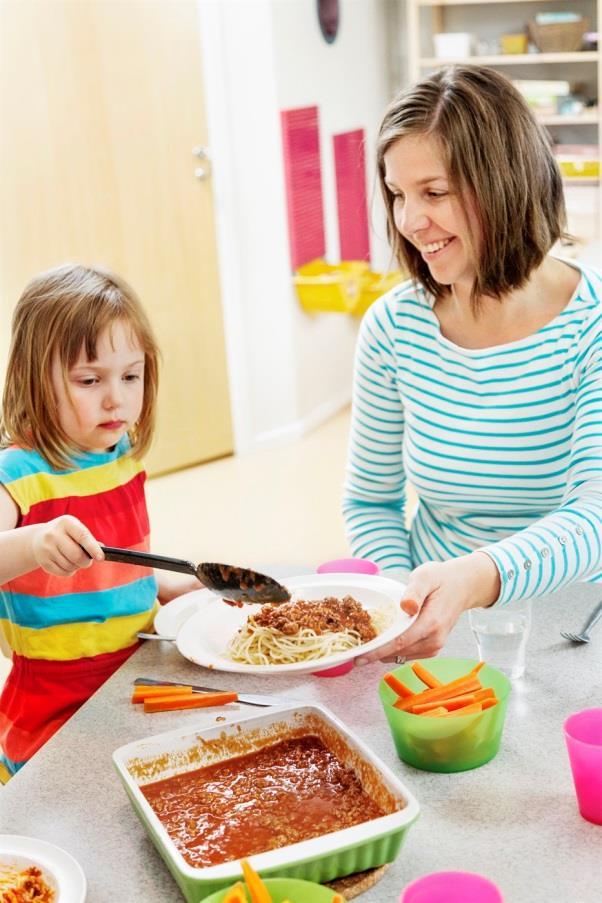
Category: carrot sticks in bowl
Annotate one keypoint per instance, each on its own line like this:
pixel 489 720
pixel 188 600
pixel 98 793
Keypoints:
pixel 463 696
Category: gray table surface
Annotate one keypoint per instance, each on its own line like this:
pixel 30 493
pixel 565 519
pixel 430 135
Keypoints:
pixel 514 820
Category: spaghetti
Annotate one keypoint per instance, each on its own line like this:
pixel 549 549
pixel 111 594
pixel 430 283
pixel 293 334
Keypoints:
pixel 304 630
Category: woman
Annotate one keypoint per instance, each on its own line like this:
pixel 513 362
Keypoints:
pixel 480 380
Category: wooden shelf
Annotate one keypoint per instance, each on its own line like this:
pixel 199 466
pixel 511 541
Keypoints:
pixel 494 18
pixel 514 59
pixel 473 2
pixel 580 180
pixel 558 119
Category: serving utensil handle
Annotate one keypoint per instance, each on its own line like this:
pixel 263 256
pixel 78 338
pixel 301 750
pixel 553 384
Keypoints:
pixel 148 559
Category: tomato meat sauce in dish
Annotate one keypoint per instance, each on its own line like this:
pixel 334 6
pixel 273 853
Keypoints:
pixel 281 794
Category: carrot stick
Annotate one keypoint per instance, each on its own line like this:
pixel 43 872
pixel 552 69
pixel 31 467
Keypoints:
pixel 489 703
pixel 477 668
pixel 142 692
pixel 471 709
pixel 466 684
pixel 236 894
pixel 337 899
pixel 435 713
pixel 425 676
pixel 485 693
pixel 397 686
pixel 454 702
pixel 257 889
pixel 193 701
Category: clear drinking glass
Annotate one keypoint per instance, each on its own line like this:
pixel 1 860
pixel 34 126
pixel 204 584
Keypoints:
pixel 501 633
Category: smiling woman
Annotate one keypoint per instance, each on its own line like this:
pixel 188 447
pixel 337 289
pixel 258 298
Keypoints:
pixel 480 379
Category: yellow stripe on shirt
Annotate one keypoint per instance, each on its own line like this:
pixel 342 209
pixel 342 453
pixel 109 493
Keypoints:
pixel 65 642
pixel 28 490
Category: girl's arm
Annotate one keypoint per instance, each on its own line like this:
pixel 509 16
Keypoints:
pixel 375 486
pixel 55 546
pixel 170 586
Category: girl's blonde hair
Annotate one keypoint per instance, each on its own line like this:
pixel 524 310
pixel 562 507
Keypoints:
pixel 61 312
pixel 496 154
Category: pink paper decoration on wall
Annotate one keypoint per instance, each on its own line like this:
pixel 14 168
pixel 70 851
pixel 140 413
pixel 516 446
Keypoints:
pixel 352 205
pixel 303 177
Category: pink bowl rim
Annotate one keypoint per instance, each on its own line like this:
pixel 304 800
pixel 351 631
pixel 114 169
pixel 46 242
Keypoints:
pixel 455 873
pixel 571 737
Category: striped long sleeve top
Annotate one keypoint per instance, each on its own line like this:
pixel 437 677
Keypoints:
pixel 503 445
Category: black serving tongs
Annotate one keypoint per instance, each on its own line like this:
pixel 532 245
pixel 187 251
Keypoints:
pixel 231 583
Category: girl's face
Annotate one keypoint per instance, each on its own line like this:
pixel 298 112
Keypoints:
pixel 103 398
pixel 427 211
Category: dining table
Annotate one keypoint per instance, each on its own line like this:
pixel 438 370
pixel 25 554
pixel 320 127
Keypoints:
pixel 514 820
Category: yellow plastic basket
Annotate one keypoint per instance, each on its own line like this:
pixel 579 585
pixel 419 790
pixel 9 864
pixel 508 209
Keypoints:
pixel 579 168
pixel 322 287
pixel 373 286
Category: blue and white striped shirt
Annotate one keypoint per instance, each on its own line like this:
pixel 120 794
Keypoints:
pixel 503 445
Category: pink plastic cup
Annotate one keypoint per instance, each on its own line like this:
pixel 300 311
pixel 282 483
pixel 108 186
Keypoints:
pixel 451 887
pixel 583 735
pixel 348 566
pixel 344 566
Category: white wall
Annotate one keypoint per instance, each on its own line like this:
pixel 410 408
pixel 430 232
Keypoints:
pixel 288 370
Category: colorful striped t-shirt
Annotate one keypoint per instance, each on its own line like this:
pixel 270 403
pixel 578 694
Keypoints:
pixel 69 634
pixel 503 444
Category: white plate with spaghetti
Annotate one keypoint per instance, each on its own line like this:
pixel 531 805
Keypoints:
pixel 60 878
pixel 205 638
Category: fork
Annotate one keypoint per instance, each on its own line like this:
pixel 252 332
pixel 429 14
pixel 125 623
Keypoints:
pixel 583 637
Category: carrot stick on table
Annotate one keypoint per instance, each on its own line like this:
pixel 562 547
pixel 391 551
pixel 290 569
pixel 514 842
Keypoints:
pixel 142 692
pixel 193 701
pixel 257 889
pixel 425 676
pixel 466 684
pixel 398 686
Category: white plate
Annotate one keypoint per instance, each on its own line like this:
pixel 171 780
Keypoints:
pixel 172 615
pixel 55 864
pixel 203 639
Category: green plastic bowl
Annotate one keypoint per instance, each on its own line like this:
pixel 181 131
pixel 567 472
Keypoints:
pixel 293 889
pixel 447 744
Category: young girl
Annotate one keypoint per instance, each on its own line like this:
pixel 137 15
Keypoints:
pixel 78 413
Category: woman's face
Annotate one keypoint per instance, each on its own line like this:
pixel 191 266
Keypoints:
pixel 428 212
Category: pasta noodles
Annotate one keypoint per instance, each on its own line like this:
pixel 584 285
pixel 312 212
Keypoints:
pixel 303 630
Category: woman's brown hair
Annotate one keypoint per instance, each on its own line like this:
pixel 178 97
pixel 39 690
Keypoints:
pixel 61 312
pixel 497 155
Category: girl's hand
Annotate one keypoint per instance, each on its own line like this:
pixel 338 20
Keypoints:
pixel 64 545
pixel 440 592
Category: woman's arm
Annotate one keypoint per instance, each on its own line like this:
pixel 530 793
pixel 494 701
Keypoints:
pixel 561 547
pixel 56 546
pixel 375 494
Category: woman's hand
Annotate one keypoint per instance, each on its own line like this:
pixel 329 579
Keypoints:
pixel 64 545
pixel 440 592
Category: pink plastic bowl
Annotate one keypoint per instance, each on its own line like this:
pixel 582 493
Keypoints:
pixel 348 566
pixel 344 566
pixel 451 887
